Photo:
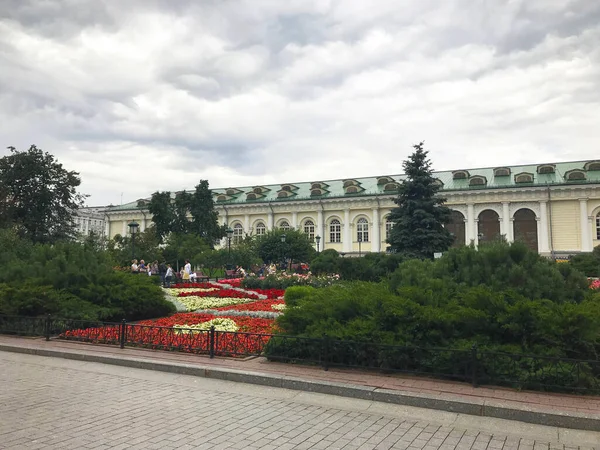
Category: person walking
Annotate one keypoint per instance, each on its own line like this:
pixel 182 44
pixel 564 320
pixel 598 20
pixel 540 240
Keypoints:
pixel 168 276
pixel 162 271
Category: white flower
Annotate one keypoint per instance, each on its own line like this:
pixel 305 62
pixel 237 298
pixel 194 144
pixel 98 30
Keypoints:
pixel 219 323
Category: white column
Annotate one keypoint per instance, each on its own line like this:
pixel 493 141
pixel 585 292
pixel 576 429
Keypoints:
pixel 246 223
pixel 270 221
pixel 506 223
pixel 471 231
pixel 124 228
pixel 320 228
pixel 294 220
pixel 543 244
pixel 586 238
pixel 107 228
pixel 144 224
pixel 375 239
pixel 347 239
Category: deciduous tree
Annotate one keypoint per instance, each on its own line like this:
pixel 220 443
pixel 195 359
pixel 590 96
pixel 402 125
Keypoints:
pixel 38 196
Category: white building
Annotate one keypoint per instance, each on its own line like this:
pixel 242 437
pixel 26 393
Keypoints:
pixel 90 220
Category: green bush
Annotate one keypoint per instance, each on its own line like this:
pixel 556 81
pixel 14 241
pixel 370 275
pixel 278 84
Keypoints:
pixel 503 299
pixel 587 263
pixel 296 293
pixel 72 280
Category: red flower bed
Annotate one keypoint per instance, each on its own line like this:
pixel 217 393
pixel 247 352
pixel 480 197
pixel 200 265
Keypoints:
pixel 246 324
pixel 158 334
pixel 234 282
pixel 261 305
pixel 270 293
pixel 221 293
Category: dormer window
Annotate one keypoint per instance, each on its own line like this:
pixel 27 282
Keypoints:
pixel 230 191
pixel 384 180
pixel 438 182
pixel 575 175
pixel 316 192
pixel 390 187
pixel 350 183
pixel 592 166
pixel 501 172
pixel 283 194
pixel 524 178
pixel 460 175
pixel 477 181
pixel 318 185
pixel 257 190
pixel 351 190
pixel 221 198
pixel 251 196
pixel 546 168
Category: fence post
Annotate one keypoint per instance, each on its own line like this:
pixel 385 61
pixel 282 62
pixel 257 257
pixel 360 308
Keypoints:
pixel 325 352
pixel 211 348
pixel 122 333
pixel 474 365
pixel 47 323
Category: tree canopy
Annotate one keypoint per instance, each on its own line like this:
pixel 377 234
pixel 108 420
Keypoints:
pixel 297 246
pixel 187 213
pixel 38 197
pixel 419 219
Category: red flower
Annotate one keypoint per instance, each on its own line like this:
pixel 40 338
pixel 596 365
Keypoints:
pixel 261 305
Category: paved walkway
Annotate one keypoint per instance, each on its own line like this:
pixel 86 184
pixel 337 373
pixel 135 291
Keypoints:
pixel 54 403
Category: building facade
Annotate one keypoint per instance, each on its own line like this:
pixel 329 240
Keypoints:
pixel 90 220
pixel 553 208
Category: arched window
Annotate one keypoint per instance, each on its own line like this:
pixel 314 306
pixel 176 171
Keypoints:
pixel 260 229
pixel 388 227
pixel 335 231
pixel 362 230
pixel 284 225
pixel 309 229
pixel 598 226
pixel 238 233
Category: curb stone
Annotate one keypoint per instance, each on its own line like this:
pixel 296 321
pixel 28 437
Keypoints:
pixel 476 407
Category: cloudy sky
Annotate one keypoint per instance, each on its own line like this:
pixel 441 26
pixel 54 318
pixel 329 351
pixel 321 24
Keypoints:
pixel 146 95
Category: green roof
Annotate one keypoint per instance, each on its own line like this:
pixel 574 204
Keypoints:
pixel 475 179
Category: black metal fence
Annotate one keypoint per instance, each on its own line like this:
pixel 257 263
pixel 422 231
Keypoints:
pixel 474 365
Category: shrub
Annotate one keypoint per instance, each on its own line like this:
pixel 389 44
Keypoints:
pixel 296 293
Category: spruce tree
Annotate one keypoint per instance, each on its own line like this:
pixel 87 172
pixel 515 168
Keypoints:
pixel 418 220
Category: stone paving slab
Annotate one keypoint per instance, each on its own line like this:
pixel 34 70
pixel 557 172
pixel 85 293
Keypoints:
pixel 551 409
pixel 56 403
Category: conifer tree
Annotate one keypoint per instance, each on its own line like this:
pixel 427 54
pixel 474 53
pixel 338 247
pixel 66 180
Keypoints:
pixel 418 220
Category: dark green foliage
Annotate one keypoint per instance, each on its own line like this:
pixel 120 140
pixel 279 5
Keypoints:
pixel 297 247
pixel 74 281
pixel 371 267
pixel 325 263
pixel 38 197
pixel 418 221
pixel 294 293
pixel 503 298
pixel 587 263
pixel 146 248
pixel 187 213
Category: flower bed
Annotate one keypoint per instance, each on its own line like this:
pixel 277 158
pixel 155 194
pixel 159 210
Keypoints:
pixel 195 302
pixel 261 305
pixel 220 293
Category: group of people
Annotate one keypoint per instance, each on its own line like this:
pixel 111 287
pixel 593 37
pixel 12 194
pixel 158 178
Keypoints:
pixel 164 270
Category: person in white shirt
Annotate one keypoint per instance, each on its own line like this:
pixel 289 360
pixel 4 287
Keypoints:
pixel 134 266
pixel 187 270
pixel 168 276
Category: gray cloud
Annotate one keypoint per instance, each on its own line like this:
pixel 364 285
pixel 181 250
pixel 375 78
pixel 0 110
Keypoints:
pixel 154 94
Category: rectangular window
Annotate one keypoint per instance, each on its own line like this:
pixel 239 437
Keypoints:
pixel 335 231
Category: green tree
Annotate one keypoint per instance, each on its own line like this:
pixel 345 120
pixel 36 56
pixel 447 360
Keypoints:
pixel 418 221
pixel 296 247
pixel 38 197
pixel 186 212
pixel 147 247
pixel 182 246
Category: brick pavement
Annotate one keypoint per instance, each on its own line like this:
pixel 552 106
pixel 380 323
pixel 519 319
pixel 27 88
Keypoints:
pixel 49 403
pixel 527 400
